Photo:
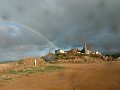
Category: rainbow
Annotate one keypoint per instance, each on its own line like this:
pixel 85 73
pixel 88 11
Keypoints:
pixel 17 25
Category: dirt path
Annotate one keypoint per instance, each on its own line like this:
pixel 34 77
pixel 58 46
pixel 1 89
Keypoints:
pixel 97 76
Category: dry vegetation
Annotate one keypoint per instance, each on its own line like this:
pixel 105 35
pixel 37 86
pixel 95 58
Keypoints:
pixel 25 67
pixel 89 75
pixel 95 76
pixel 76 58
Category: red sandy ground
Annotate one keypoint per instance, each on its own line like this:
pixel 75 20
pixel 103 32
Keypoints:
pixel 96 76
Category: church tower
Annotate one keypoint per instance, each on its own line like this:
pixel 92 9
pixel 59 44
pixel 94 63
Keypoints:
pixel 85 49
pixel 85 46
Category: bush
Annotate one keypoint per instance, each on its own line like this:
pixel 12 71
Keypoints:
pixel 36 70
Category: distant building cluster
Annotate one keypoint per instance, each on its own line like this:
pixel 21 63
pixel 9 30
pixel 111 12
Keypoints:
pixel 85 50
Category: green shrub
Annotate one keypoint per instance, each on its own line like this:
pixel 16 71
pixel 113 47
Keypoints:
pixel 36 69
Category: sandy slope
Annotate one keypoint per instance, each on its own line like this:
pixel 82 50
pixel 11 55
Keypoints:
pixel 4 66
pixel 97 76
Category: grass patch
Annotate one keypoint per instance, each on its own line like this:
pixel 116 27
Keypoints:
pixel 36 70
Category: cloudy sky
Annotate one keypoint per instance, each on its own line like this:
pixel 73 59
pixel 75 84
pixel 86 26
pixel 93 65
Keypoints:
pixel 31 27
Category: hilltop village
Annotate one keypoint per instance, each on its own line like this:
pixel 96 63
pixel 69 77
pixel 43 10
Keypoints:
pixel 76 55
pixel 71 56
pixel 85 50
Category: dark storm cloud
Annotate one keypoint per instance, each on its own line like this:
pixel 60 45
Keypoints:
pixel 64 22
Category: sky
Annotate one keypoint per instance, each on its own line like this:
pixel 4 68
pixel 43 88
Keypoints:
pixel 34 27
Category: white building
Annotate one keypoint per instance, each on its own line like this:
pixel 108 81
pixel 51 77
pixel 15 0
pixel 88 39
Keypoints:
pixel 59 51
pixel 97 53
